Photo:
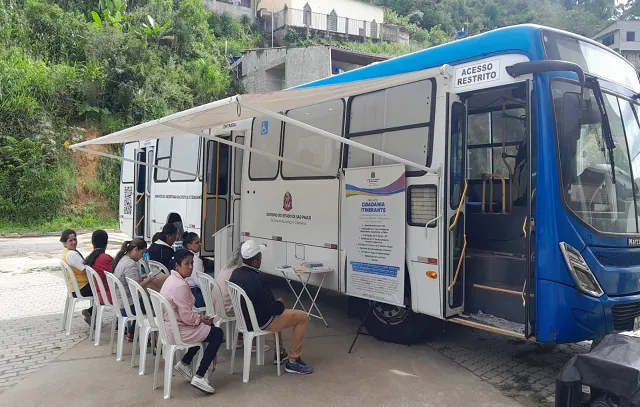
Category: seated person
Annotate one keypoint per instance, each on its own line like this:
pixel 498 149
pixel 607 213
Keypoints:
pixel 161 250
pixel 72 258
pixel 100 261
pixel 193 327
pixel 270 313
pixel 126 265
pixel 191 242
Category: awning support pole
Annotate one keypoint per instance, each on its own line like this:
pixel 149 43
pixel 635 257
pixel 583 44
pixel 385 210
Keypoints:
pixel 115 157
pixel 335 137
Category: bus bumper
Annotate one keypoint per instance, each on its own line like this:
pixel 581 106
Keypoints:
pixel 569 316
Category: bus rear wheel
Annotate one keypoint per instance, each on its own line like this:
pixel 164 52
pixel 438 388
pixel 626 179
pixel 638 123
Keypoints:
pixel 395 324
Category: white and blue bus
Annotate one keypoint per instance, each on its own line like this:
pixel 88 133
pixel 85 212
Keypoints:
pixel 522 207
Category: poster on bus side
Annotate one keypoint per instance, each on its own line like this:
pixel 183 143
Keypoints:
pixel 375 221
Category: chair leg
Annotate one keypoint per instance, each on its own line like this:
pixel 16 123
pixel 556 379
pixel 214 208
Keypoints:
pixel 144 338
pixel 70 311
pixel 113 331
pixel 98 328
pixel 156 367
pixel 93 319
pixel 168 371
pixel 229 330
pixel 278 351
pixel 248 343
pixel 233 349
pixel 136 335
pixel 65 311
pixel 260 350
pixel 120 345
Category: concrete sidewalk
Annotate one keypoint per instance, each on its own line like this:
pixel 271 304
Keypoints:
pixel 375 374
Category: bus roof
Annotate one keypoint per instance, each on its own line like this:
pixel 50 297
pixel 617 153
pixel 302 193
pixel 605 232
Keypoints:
pixel 520 39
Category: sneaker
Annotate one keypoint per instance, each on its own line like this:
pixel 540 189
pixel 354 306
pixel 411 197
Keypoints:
pixel 284 356
pixel 202 384
pixel 184 370
pixel 297 367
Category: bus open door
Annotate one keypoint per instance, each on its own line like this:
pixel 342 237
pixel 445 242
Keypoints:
pixel 455 235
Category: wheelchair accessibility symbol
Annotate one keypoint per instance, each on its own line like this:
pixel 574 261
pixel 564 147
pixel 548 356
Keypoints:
pixel 265 128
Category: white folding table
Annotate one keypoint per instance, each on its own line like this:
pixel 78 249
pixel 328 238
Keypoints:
pixel 308 269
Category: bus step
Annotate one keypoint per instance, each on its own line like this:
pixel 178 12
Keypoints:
pixel 502 302
pixel 515 331
pixel 495 269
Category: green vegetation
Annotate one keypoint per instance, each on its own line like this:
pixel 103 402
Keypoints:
pixel 585 17
pixel 71 70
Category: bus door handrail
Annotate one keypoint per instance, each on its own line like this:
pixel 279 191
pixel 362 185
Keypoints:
pixel 462 254
pixel 460 205
pixel 485 178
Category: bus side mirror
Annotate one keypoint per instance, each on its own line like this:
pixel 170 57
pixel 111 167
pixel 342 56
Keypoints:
pixel 572 110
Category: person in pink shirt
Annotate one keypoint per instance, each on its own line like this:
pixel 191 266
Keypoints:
pixel 193 327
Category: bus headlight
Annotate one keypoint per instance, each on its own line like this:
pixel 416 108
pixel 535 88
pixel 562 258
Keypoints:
pixel 580 271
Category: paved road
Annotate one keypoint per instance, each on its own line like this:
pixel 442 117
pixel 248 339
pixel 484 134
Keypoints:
pixel 32 297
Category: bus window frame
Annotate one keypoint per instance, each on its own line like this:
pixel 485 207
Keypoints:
pixel 340 152
pixel 195 178
pixel 122 181
pixel 430 124
pixel 558 181
pixel 280 148
pixel 157 160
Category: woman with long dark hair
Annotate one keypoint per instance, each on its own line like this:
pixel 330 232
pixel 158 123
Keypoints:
pixel 100 261
pixel 72 258
pixel 191 242
pixel 161 250
pixel 126 265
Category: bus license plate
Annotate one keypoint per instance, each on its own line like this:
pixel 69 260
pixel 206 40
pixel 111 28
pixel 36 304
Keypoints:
pixel 636 324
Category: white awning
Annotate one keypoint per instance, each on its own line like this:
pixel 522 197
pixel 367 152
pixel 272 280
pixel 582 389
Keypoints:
pixel 231 109
pixel 199 119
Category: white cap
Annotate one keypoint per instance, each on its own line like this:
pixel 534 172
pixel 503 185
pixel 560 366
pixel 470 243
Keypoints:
pixel 251 249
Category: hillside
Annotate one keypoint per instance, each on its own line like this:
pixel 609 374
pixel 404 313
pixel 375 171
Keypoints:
pixel 76 69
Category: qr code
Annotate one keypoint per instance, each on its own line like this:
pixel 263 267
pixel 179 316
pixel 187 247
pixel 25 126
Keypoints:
pixel 128 200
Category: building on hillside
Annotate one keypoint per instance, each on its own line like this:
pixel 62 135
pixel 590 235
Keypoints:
pixel 624 37
pixel 235 8
pixel 272 69
pixel 344 20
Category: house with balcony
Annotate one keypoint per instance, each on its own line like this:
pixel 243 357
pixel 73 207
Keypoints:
pixel 342 20
pixel 623 36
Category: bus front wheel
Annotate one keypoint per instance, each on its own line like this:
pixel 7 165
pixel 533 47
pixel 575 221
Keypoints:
pixel 391 323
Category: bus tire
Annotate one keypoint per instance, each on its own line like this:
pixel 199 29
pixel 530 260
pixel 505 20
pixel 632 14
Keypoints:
pixel 396 324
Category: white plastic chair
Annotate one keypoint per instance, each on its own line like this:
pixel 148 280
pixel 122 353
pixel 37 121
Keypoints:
pixel 211 289
pixel 120 301
pixel 146 323
pixel 154 266
pixel 71 301
pixel 237 296
pixel 169 344
pixel 99 291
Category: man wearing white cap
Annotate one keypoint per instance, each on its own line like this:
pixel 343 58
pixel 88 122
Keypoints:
pixel 271 314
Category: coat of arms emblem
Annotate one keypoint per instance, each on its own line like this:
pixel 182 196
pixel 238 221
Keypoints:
pixel 287 205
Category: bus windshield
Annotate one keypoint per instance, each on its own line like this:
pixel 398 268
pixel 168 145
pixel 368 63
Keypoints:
pixel 600 184
pixel 594 59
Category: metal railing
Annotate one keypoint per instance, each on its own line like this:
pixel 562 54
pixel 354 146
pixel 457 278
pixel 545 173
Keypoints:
pixel 290 17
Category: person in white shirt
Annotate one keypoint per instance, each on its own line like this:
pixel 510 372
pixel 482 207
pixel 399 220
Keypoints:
pixel 191 242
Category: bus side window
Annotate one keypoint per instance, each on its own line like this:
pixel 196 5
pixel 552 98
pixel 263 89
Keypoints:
pixel 395 120
pixel 265 136
pixel 184 157
pixel 163 156
pixel 310 148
